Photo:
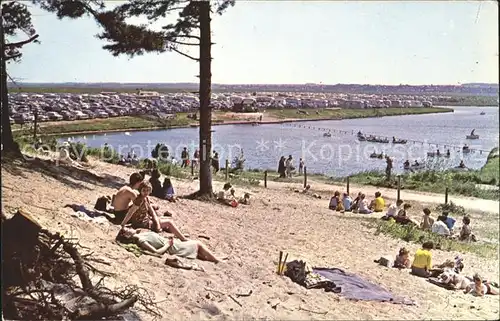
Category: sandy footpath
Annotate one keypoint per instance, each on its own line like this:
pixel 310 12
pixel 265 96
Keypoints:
pixel 277 219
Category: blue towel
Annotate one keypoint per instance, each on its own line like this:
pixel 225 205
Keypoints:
pixel 355 288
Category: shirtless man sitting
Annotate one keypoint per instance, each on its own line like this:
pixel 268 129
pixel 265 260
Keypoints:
pixel 126 195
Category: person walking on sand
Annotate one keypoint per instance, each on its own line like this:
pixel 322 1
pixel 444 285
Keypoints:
pixel 196 158
pixel 289 166
pixel 282 167
pixel 301 166
pixel 184 157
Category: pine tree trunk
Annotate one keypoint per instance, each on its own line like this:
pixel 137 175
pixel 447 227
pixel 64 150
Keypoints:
pixel 205 93
pixel 8 144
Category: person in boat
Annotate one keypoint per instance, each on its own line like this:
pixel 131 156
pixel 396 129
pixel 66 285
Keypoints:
pixel 466 147
pixel 360 134
pixel 438 153
pixel 416 163
pixel 462 164
pixel 472 132
pixel 406 164
pixel 448 153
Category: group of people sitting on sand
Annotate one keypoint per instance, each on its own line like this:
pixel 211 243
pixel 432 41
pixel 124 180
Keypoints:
pixel 358 205
pixel 446 274
pixel 398 212
pixel 443 225
pixel 142 222
pixel 227 196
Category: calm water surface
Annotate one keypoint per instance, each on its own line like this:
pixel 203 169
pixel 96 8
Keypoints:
pixel 339 155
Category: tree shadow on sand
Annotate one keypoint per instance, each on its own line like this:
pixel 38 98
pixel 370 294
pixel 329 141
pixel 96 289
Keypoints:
pixel 67 174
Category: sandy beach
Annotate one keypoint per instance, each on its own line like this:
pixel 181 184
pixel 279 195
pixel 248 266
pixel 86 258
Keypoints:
pixel 276 219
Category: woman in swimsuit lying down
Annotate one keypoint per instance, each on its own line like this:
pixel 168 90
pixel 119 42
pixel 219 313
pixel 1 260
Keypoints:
pixel 155 243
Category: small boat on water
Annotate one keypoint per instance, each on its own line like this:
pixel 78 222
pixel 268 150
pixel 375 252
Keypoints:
pixel 372 139
pixel 472 135
pixel 362 138
pixel 327 134
pixel 482 113
pixel 375 155
pixel 398 141
pixel 414 166
pixel 127 134
pixel 436 154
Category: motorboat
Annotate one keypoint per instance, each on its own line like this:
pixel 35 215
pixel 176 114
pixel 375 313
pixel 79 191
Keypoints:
pixel 399 141
pixel 436 154
pixel 377 140
pixel 375 155
pixel 414 167
pixel 327 134
pixel 482 113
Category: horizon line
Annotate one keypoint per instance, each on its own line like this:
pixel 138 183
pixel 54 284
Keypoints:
pixel 248 84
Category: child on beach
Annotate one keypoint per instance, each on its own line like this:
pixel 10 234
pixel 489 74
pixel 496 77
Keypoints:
pixel 402 260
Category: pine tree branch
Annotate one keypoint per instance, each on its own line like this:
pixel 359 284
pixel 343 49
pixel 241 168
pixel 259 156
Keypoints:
pixel 184 43
pixel 185 55
pixel 9 57
pixel 20 43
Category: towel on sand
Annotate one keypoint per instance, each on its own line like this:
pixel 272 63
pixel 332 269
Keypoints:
pixel 132 248
pixel 355 288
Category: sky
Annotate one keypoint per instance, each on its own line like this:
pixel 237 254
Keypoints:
pixel 292 42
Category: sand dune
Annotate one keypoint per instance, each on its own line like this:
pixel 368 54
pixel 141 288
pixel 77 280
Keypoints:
pixel 277 219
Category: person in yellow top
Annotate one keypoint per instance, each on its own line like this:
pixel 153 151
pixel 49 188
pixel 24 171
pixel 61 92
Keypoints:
pixel 422 262
pixel 378 204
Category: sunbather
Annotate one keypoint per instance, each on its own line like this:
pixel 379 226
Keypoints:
pixel 168 190
pixel 155 243
pixel 154 180
pixel 402 260
pixel 466 231
pixel 142 215
pixel 422 263
pixel 477 288
pixel 363 205
pixel 126 195
pixel 427 220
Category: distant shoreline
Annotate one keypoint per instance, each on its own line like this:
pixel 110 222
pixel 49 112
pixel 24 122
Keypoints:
pixel 238 122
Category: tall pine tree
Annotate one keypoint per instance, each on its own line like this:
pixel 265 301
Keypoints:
pixel 192 28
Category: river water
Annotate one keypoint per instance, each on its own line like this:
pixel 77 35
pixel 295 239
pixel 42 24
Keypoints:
pixel 339 155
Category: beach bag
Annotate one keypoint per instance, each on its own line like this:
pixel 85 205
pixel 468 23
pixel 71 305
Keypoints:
pixel 102 204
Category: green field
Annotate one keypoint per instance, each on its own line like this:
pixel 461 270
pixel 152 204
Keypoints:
pixel 351 113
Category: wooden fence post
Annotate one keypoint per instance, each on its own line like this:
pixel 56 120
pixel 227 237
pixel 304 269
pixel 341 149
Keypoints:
pixel 347 185
pixel 305 176
pixel 192 168
pixel 399 188
pixel 446 196
pixel 227 169
pixel 265 179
